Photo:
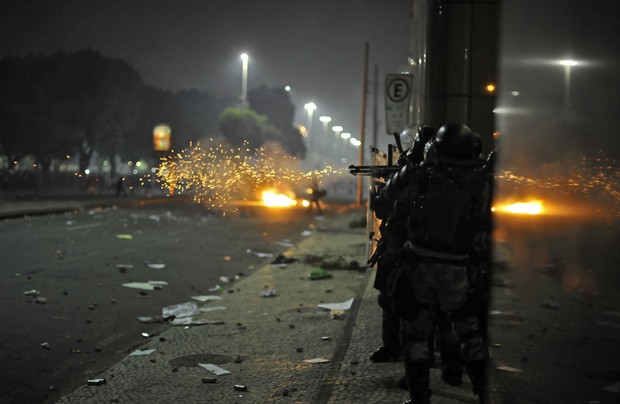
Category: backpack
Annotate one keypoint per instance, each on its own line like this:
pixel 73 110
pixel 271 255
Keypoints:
pixel 445 214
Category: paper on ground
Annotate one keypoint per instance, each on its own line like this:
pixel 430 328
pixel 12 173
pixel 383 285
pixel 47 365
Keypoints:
pixel 509 369
pixel 206 298
pixel 214 369
pixel 156 266
pixel 214 308
pixel 316 360
pixel 139 285
pixel 337 306
pixel 188 321
pixel 142 352
pixel 180 310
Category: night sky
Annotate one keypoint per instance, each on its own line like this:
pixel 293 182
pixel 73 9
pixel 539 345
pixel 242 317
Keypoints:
pixel 315 46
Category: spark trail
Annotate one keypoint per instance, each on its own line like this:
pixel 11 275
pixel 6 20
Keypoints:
pixel 215 175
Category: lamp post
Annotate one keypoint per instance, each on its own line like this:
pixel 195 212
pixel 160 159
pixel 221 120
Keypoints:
pixel 567 63
pixel 310 107
pixel 326 120
pixel 244 81
pixel 345 136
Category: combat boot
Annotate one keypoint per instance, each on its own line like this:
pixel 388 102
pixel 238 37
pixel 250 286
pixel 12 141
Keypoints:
pixel 384 354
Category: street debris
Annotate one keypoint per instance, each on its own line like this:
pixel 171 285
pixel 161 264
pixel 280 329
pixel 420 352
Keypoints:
pixel 214 308
pixel 95 382
pixel 180 310
pixel 286 243
pixel 124 236
pixel 337 314
pixel 206 298
pixel 509 369
pixel 155 265
pixel 142 352
pixel 209 380
pixel 32 292
pixel 240 387
pixel 281 259
pixel 216 288
pixel 550 303
pixel 227 258
pixel 319 273
pixel 188 321
pixel 259 254
pixel 46 345
pixel 216 370
pixel 151 320
pixel 40 300
pixel 316 360
pixel 306 233
pixel 124 266
pixel 224 279
pixel 139 285
pixel 326 338
pixel 146 335
pixel 614 388
pixel 337 306
pixel 269 293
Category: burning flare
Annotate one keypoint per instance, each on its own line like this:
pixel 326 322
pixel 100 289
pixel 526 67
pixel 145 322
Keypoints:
pixel 521 208
pixel 271 198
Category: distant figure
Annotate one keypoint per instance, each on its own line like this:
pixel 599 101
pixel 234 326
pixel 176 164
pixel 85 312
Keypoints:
pixel 90 185
pixel 120 187
pixel 315 195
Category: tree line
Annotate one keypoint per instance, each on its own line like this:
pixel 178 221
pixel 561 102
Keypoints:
pixel 52 106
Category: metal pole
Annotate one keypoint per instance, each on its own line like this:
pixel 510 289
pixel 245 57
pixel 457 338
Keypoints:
pixel 363 123
pixel 375 116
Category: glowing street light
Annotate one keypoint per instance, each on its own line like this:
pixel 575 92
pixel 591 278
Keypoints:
pixel 326 120
pixel 345 136
pixel 310 107
pixel 244 80
pixel 337 129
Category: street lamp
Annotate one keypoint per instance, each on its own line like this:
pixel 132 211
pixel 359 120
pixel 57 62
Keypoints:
pixel 244 81
pixel 310 107
pixel 337 129
pixel 567 63
pixel 325 120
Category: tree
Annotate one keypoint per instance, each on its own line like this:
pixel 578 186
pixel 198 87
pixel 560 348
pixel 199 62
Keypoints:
pixel 275 103
pixel 239 125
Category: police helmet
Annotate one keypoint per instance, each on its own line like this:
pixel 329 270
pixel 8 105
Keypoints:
pixel 407 137
pixel 456 141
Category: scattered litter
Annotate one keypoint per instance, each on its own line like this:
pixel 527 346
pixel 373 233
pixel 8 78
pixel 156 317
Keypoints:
pixel 124 266
pixel 614 388
pixel 326 338
pixel 306 233
pixel 224 279
pixel 269 293
pixel 139 285
pixel 216 288
pixel 337 306
pixel 316 360
pixel 154 218
pixel 158 283
pixel 214 308
pixel 146 335
pixel 509 369
pixel 259 254
pixel 180 310
pixel 495 312
pixel 240 387
pixel 188 321
pixel 319 273
pixel 227 258
pixel 155 265
pixel 46 345
pixel 337 314
pixel 550 303
pixel 40 300
pixel 151 320
pixel 206 298
pixel 124 236
pixel 32 292
pixel 603 323
pixel 95 382
pixel 285 243
pixel 142 352
pixel 216 370
pixel 281 259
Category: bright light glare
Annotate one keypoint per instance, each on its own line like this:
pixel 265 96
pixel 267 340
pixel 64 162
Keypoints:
pixel 271 198
pixel 345 135
pixel 305 203
pixel 569 62
pixel 325 119
pixel 337 128
pixel 287 88
pixel 310 106
pixel 522 208
pixel 244 57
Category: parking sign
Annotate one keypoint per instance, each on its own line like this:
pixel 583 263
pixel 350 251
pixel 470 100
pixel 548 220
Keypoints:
pixel 397 99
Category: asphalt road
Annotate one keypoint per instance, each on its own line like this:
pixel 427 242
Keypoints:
pixel 88 320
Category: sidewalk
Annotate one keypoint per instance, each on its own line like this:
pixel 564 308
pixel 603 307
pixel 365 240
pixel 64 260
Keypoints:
pixel 264 341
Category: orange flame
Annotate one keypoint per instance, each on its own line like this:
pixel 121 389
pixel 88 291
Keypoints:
pixel 521 208
pixel 273 199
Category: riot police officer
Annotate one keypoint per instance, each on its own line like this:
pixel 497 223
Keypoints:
pixel 445 203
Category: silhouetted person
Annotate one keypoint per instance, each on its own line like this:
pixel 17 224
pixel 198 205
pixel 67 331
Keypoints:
pixel 120 187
